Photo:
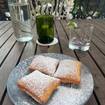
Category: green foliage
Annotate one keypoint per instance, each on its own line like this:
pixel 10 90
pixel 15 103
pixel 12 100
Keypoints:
pixel 72 24
pixel 83 9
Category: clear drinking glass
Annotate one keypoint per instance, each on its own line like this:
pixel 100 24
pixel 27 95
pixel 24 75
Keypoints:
pixel 21 19
pixel 80 37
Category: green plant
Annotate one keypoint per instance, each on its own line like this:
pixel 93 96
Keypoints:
pixel 72 24
pixel 83 9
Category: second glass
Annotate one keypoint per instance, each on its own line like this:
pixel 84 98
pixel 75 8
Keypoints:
pixel 80 37
pixel 45 28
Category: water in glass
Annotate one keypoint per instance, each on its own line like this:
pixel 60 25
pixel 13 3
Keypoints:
pixel 80 37
pixel 21 21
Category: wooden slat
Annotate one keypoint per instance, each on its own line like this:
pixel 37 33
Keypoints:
pixel 100 34
pixel 99 31
pixel 6 36
pixel 100 23
pixel 41 49
pixel 98 28
pixel 6 48
pixel 4 29
pixel 29 50
pixel 100 45
pixel 8 65
pixel 4 23
pixel 98 57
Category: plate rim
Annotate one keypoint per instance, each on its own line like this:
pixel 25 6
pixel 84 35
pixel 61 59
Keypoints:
pixel 31 57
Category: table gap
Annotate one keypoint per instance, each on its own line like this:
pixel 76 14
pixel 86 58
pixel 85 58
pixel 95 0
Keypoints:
pixel 7 54
pixel 99 38
pixel 96 98
pixel 36 49
pixel 61 50
pixel 98 48
pixel 64 30
pixel 29 51
pixel 21 54
pixel 96 64
pixel 6 40
pixel 99 44
pixel 99 32
pixel 3 96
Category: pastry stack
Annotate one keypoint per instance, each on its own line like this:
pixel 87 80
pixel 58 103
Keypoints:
pixel 46 76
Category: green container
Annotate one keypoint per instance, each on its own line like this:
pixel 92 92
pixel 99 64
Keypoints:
pixel 45 28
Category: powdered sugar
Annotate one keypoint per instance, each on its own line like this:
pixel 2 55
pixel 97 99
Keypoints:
pixel 66 67
pixel 37 82
pixel 44 64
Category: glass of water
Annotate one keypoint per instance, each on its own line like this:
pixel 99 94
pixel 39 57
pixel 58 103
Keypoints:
pixel 21 19
pixel 80 37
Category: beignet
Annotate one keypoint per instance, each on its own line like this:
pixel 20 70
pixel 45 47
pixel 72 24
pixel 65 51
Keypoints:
pixel 38 85
pixel 44 64
pixel 68 71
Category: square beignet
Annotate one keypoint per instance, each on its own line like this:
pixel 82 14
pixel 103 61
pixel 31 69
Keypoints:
pixel 68 71
pixel 44 64
pixel 38 85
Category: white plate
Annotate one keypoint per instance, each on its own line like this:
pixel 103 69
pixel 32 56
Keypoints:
pixel 65 95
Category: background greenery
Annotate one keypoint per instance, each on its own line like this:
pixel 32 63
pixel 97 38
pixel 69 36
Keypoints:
pixel 88 9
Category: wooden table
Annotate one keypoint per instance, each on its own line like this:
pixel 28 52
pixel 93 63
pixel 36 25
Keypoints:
pixel 12 52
